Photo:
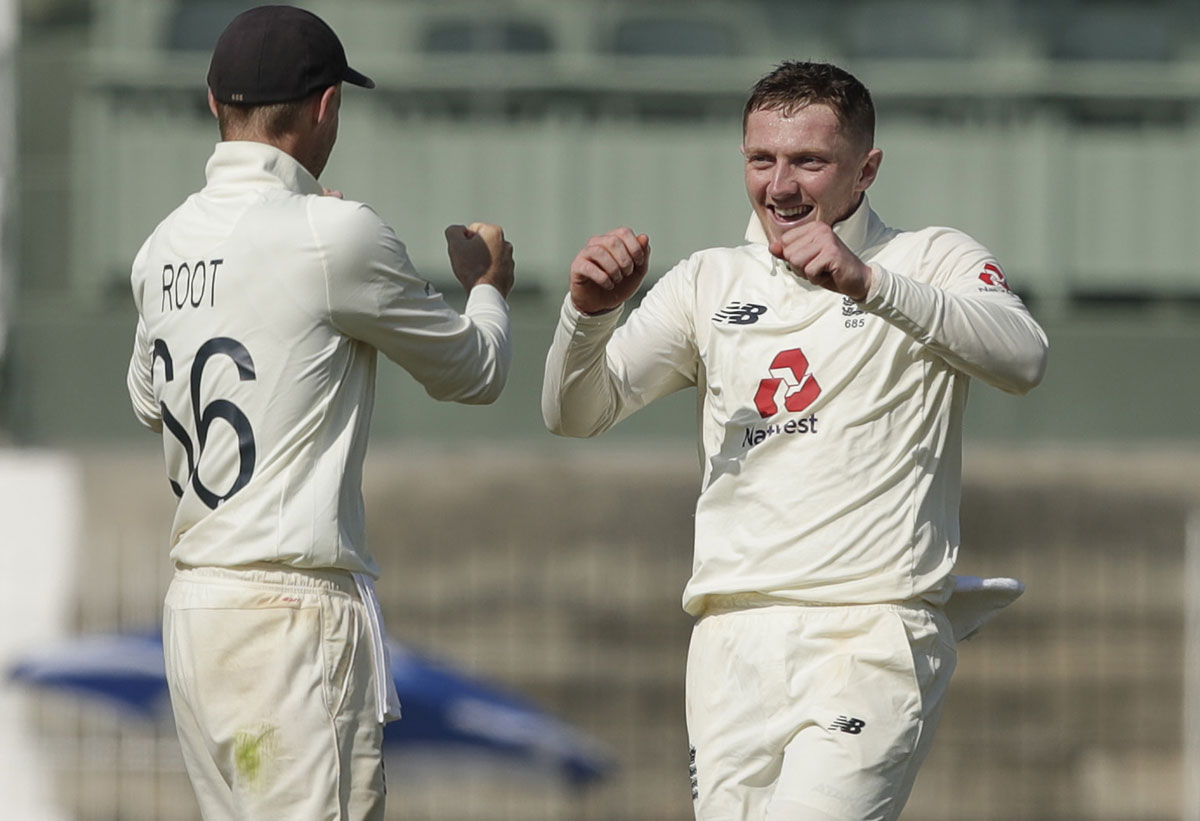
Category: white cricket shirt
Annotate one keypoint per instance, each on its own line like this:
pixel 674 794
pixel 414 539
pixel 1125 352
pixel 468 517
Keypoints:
pixel 261 307
pixel 830 431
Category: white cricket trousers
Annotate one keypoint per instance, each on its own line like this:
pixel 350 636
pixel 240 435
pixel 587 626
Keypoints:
pixel 812 713
pixel 271 675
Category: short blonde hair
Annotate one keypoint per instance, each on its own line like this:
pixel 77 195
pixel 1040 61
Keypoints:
pixel 270 120
pixel 792 85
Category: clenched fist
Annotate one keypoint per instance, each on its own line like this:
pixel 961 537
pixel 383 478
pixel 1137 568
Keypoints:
pixel 609 270
pixel 816 253
pixel 480 254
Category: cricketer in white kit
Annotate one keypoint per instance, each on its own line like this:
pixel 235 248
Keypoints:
pixel 831 356
pixel 262 306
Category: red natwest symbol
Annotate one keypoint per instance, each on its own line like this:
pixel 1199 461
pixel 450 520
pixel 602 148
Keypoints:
pixel 789 378
pixel 992 275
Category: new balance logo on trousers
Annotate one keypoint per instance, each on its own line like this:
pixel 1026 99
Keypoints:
pixel 848 724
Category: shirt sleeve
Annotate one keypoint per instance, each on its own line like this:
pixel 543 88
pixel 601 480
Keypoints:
pixel 965 313
pixel 139 379
pixel 598 374
pixel 376 296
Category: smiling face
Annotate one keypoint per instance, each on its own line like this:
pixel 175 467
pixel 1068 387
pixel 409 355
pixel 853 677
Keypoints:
pixel 802 167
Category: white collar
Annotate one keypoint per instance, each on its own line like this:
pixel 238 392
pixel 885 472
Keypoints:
pixel 255 164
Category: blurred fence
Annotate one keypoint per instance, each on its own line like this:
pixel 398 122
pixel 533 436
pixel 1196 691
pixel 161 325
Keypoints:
pixel 1064 135
pixel 1060 207
pixel 557 572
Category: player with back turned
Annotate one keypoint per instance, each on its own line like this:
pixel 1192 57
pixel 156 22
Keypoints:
pixel 263 303
pixel 831 356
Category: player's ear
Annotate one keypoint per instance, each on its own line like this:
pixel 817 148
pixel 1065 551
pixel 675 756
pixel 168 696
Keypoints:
pixel 328 103
pixel 869 170
pixel 212 103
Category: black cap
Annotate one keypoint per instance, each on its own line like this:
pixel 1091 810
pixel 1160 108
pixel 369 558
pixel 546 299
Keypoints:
pixel 272 54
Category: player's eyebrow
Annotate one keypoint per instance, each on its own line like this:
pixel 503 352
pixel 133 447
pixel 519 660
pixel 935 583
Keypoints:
pixel 758 149
pixel 791 154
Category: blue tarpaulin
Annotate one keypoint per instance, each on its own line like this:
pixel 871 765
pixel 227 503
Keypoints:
pixel 443 708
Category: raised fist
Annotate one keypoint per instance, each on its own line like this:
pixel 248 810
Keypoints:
pixel 609 270
pixel 480 254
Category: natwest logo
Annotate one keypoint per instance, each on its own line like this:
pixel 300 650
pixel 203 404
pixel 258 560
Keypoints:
pixel 790 382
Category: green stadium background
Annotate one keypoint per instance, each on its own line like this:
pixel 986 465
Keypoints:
pixel 1063 134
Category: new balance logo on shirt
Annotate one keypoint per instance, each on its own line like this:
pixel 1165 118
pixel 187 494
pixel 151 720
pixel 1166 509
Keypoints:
pixel 740 313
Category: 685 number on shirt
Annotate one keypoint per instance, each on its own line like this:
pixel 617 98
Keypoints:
pixel 216 410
